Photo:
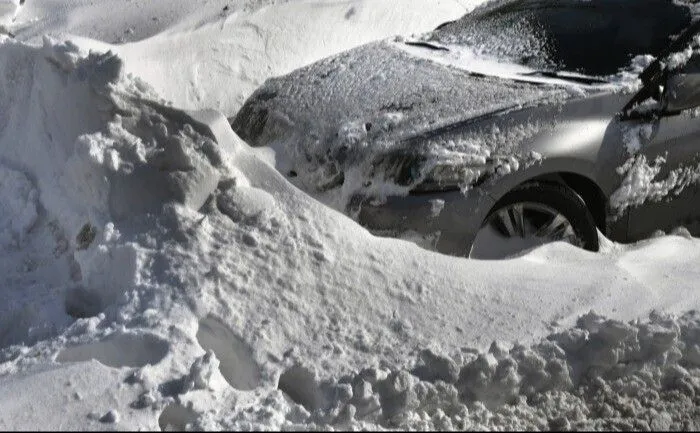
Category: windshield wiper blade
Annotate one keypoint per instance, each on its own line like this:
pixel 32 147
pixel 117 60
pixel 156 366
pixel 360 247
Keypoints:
pixel 425 44
pixel 565 76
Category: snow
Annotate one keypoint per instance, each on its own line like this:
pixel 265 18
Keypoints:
pixel 156 273
pixel 641 183
pixel 8 12
pixel 19 213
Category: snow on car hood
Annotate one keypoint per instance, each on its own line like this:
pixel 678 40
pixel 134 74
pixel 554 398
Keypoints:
pixel 345 111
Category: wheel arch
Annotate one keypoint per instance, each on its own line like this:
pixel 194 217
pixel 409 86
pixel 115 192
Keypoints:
pixel 581 183
pixel 589 191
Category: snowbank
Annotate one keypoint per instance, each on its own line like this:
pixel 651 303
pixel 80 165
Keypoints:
pixel 603 375
pixel 8 11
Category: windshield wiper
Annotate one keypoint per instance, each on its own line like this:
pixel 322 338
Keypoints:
pixel 425 44
pixel 565 76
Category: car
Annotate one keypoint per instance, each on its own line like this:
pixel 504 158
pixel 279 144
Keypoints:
pixel 521 123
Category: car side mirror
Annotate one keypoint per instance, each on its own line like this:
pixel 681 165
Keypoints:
pixel 682 92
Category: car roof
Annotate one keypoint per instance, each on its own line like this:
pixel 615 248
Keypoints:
pixel 687 11
pixel 492 5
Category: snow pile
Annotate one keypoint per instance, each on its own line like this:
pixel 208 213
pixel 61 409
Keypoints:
pixel 8 11
pixel 602 374
pixel 79 148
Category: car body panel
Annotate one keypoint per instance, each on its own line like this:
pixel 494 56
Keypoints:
pixel 676 138
pixel 452 217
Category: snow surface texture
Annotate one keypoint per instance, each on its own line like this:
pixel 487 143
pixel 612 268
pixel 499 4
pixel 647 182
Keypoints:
pixel 8 12
pixel 602 374
pixel 155 273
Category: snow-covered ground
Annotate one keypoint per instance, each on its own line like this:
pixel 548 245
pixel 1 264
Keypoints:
pixel 155 272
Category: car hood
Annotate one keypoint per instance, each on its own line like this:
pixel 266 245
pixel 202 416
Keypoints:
pixel 341 112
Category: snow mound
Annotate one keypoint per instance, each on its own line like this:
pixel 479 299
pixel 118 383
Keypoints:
pixel 602 374
pixel 90 148
pixel 8 11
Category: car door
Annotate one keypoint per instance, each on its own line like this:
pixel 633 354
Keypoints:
pixel 673 195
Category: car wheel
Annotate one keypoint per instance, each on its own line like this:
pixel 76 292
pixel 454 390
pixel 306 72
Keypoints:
pixel 531 215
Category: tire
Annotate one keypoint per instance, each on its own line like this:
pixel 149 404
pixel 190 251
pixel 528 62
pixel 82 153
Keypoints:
pixel 559 198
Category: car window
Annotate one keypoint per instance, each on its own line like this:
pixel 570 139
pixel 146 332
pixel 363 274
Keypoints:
pixel 595 37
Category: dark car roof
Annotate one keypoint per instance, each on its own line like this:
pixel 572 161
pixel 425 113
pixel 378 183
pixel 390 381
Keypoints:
pixel 650 6
pixel 595 36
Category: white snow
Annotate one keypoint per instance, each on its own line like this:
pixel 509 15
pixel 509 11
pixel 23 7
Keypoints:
pixel 19 211
pixel 8 11
pixel 156 273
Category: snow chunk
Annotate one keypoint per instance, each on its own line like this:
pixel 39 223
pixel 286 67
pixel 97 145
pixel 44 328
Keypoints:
pixel 601 374
pixel 111 417
pixel 636 135
pixel 679 59
pixel 18 212
pixel 640 185
pixel 202 372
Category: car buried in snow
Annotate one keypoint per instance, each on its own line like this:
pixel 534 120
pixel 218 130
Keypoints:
pixel 521 123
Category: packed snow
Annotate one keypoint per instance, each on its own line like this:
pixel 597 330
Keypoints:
pixel 156 272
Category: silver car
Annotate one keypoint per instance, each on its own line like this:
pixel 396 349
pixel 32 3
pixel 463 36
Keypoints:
pixel 523 122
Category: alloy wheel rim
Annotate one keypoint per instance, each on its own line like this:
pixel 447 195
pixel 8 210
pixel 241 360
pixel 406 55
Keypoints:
pixel 519 227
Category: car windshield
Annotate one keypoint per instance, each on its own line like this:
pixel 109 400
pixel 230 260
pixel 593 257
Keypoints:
pixel 591 37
